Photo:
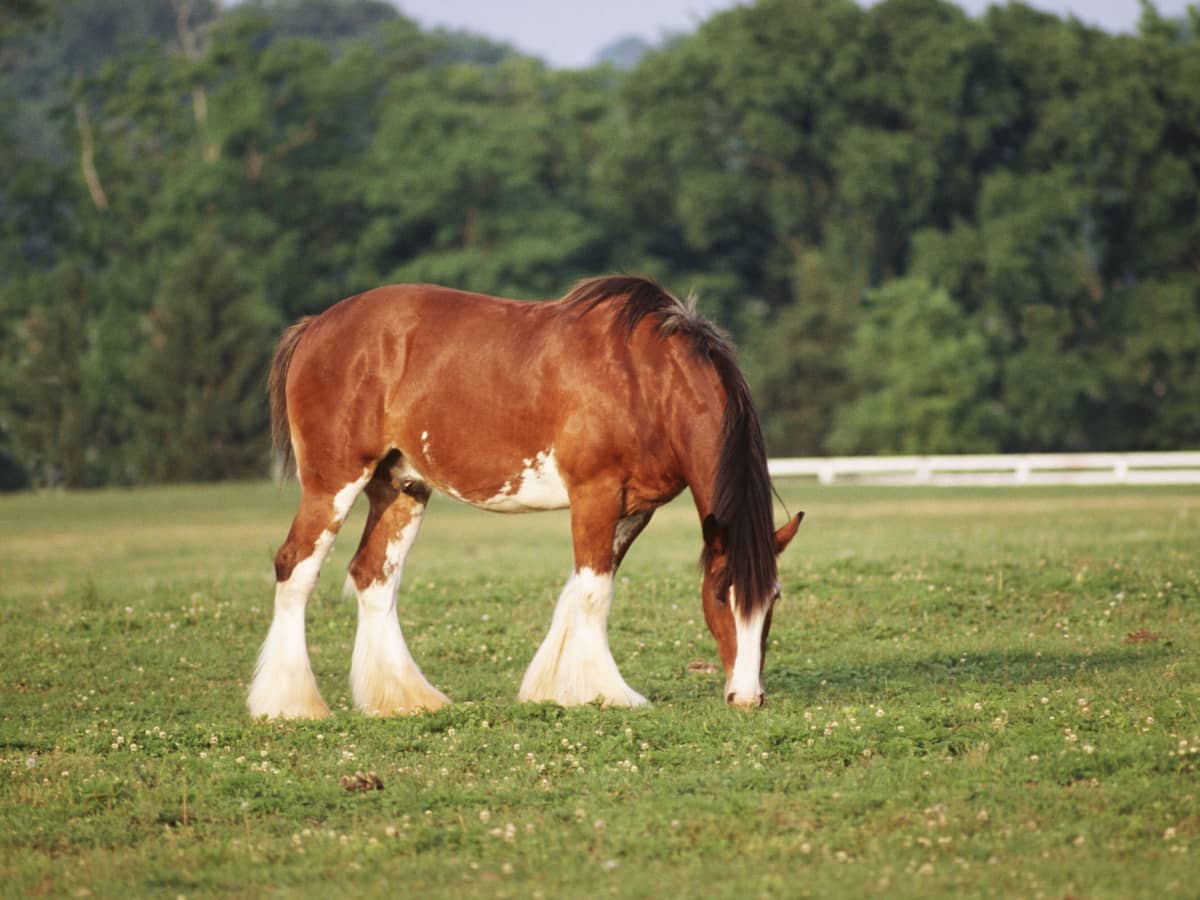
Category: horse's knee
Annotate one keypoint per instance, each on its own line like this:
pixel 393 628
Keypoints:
pixel 297 550
pixel 285 561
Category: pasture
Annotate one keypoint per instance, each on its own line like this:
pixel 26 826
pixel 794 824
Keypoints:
pixel 969 692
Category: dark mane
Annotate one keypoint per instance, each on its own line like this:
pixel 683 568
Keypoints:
pixel 742 497
pixel 641 297
pixel 742 491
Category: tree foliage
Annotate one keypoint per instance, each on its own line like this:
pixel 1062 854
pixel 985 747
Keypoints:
pixel 928 232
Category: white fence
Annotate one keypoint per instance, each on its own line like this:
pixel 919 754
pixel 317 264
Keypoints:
pixel 1014 469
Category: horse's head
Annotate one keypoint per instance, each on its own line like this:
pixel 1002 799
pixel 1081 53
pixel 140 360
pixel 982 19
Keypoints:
pixel 740 628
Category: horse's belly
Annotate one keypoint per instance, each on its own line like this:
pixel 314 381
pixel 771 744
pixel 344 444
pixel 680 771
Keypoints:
pixel 537 486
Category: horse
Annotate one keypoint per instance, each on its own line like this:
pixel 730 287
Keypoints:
pixel 609 401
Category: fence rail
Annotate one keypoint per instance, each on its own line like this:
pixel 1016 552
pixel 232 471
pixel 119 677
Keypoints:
pixel 999 470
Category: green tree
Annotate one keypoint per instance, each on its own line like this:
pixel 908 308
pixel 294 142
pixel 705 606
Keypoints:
pixel 1154 368
pixel 795 359
pixel 475 179
pixel 46 410
pixel 1015 195
pixel 199 379
pixel 923 376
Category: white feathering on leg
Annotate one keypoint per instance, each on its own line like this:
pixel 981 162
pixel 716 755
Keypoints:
pixel 384 678
pixel 284 685
pixel 574 664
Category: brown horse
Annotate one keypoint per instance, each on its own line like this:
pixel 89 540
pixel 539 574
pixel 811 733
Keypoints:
pixel 609 401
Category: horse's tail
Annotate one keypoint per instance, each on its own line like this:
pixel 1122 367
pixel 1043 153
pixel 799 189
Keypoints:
pixel 281 431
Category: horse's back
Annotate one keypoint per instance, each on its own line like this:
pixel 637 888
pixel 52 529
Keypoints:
pixel 482 395
pixel 410 311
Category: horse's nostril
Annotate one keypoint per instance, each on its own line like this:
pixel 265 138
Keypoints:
pixel 729 698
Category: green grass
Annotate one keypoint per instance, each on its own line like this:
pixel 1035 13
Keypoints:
pixel 986 693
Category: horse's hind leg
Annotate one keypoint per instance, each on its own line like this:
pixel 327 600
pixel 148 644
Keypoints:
pixel 384 678
pixel 283 685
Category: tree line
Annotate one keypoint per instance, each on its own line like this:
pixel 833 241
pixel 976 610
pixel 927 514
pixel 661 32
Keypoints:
pixel 927 232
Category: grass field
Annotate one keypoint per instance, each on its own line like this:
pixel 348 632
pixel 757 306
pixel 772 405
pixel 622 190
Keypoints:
pixel 970 693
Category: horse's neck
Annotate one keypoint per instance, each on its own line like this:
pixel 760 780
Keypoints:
pixel 699 452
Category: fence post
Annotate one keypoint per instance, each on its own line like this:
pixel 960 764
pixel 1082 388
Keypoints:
pixel 1121 469
pixel 924 470
pixel 1023 468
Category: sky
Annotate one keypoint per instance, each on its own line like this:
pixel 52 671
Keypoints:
pixel 568 33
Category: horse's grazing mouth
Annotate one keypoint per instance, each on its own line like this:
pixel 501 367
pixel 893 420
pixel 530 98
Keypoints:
pixel 610 401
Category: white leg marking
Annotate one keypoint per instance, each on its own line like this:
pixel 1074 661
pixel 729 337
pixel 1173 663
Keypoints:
pixel 344 499
pixel 283 684
pixel 574 664
pixel 384 678
pixel 745 682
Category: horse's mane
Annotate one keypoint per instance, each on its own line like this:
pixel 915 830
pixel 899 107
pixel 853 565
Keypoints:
pixel 742 493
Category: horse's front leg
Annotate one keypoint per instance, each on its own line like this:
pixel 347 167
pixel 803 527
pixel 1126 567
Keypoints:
pixel 384 678
pixel 574 664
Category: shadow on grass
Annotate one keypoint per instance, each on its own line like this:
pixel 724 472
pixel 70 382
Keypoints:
pixel 909 673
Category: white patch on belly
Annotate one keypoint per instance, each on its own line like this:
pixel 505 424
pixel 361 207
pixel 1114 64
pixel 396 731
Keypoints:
pixel 539 486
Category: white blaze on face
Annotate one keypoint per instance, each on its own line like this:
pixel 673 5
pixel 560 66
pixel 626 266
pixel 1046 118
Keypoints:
pixel 745 682
pixel 539 486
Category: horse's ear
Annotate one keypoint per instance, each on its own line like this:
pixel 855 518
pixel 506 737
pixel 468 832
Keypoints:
pixel 714 533
pixel 784 535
